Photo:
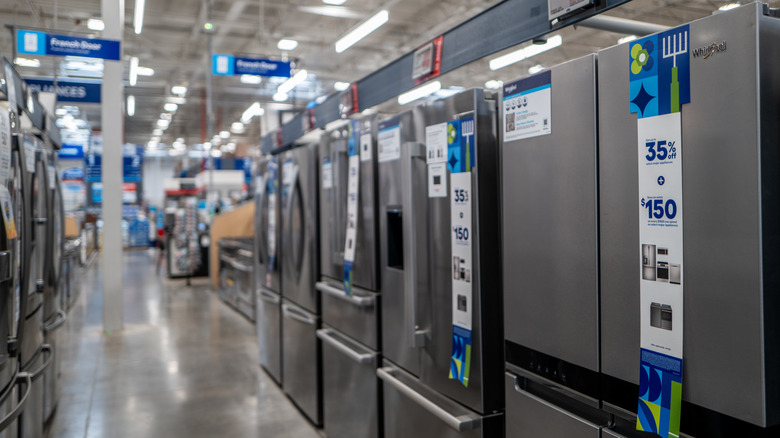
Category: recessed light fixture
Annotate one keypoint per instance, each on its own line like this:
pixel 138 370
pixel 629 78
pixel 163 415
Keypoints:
pixel 525 53
pixel 96 24
pixel 157 131
pixel 419 92
pixel 133 71
pixel 176 100
pixel 286 44
pixel 162 123
pixel 251 79
pixel 341 86
pixel 362 30
pixel 130 105
pixel 171 107
pixel 179 90
pixel 225 134
pixel 145 71
pixel 493 84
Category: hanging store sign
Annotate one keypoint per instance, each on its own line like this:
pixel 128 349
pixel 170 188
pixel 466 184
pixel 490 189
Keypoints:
pixel 528 107
pixel 427 61
pixel 67 91
pixel 71 152
pixel 460 161
pixel 229 65
pixel 659 85
pixel 353 191
pixel 30 42
pixel 94 167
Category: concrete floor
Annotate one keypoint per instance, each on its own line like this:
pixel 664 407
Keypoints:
pixel 185 365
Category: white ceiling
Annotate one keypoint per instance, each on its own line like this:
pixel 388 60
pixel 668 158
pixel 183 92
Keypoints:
pixel 174 45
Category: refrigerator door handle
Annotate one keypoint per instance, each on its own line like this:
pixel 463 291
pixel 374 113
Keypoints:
pixel 294 313
pixel 293 190
pixel 25 378
pixel 364 301
pixel 46 348
pixel 269 297
pixel 460 423
pixel 411 151
pixel 362 358
pixel 61 318
pixel 548 404
pixel 259 224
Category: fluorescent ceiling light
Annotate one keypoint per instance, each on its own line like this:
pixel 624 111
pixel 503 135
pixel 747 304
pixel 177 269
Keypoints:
pixel 251 79
pixel 280 97
pixel 237 127
pixel 332 11
pixel 131 105
pixel 729 6
pixel 362 30
pixel 286 44
pixel 145 71
pixel 176 100
pixel 26 62
pixel 525 53
pixel 419 92
pixel 293 82
pixel 534 69
pixel 156 139
pixel 166 116
pixel 253 110
pixel 96 24
pixel 493 84
pixel 162 123
pixel 626 39
pixel 179 90
pixel 133 71
pixel 224 134
pixel 341 86
pixel 61 112
pixel 334 2
pixel 138 19
pixel 172 107
pixel 216 153
pixel 157 131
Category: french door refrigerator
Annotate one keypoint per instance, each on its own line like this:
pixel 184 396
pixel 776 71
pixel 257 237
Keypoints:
pixel 730 186
pixel 268 265
pixel 434 382
pixel 349 282
pixel 301 355
pixel 550 247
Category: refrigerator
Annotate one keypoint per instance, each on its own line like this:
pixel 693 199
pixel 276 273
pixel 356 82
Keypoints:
pixel 549 207
pixel 267 265
pixel 426 294
pixel 349 281
pixel 301 352
pixel 731 312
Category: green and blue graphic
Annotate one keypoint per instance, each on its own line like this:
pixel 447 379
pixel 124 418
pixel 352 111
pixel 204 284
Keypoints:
pixel 660 73
pixel 660 394
pixel 460 145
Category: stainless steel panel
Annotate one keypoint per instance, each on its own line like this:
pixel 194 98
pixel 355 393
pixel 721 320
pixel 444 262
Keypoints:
pixel 269 333
pixel 33 337
pixel 395 345
pixel 411 410
pixel 31 424
pixel 299 251
pixel 528 415
pixel 350 387
pixel 436 233
pixel 549 225
pixel 301 360
pixel 606 433
pixel 51 379
pixel 366 266
pixel 262 250
pixel 7 407
pixel 356 316
pixel 724 331
pixel 333 166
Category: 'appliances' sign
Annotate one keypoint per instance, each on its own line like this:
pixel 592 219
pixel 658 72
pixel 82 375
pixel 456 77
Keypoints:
pixel 68 91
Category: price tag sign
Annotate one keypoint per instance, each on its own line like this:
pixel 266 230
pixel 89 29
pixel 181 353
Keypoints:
pixel 5 145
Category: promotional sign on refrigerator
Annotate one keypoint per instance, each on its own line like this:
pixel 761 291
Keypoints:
pixel 353 190
pixel 660 84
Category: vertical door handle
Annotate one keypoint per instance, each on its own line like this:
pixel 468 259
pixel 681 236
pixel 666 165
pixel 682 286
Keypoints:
pixel 410 152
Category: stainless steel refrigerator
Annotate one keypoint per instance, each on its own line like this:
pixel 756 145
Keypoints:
pixel 730 192
pixel 268 266
pixel 418 272
pixel 301 355
pixel 350 313
pixel 550 242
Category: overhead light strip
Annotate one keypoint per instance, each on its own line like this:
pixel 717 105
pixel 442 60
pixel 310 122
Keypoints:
pixel 293 82
pixel 138 19
pixel 133 71
pixel 130 105
pixel 419 92
pixel 362 30
pixel 525 53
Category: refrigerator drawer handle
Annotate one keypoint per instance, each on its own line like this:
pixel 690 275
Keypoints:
pixel 548 404
pixel 25 378
pixel 245 253
pixel 339 293
pixel 61 318
pixel 460 423
pixel 240 266
pixel 297 315
pixel 361 358
pixel 46 348
pixel 269 297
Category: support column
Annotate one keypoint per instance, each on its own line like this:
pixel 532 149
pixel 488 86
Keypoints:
pixel 112 122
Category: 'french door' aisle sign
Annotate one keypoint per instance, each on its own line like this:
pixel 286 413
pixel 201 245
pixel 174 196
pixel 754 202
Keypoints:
pixel 353 190
pixel 659 84
pixel 271 190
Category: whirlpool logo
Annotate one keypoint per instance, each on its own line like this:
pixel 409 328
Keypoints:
pixel 707 51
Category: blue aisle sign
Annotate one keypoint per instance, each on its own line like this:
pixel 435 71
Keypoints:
pixel 71 152
pixel 132 163
pixel 68 91
pixel 94 168
pixel 30 42
pixel 229 65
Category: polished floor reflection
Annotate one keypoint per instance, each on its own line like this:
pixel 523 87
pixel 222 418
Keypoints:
pixel 185 365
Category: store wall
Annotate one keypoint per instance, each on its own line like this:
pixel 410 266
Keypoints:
pixel 156 170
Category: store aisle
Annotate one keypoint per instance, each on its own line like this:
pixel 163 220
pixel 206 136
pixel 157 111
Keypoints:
pixel 184 366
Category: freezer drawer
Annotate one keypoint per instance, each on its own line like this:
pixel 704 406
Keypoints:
pixel 411 410
pixel 356 316
pixel 269 333
pixel 528 415
pixel 301 360
pixel 350 387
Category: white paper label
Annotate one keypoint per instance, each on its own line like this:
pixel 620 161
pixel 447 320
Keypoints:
pixel 460 220
pixel 272 223
pixel 287 172
pixel 352 208
pixel 365 147
pixel 437 180
pixel 436 144
pixel 527 107
pixel 29 157
pixel 389 144
pixel 52 174
pixel 327 174
pixel 10 85
pixel 5 145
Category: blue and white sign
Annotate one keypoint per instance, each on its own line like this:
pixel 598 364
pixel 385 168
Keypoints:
pixel 68 91
pixel 94 165
pixel 71 152
pixel 528 107
pixel 73 174
pixel 41 43
pixel 229 65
